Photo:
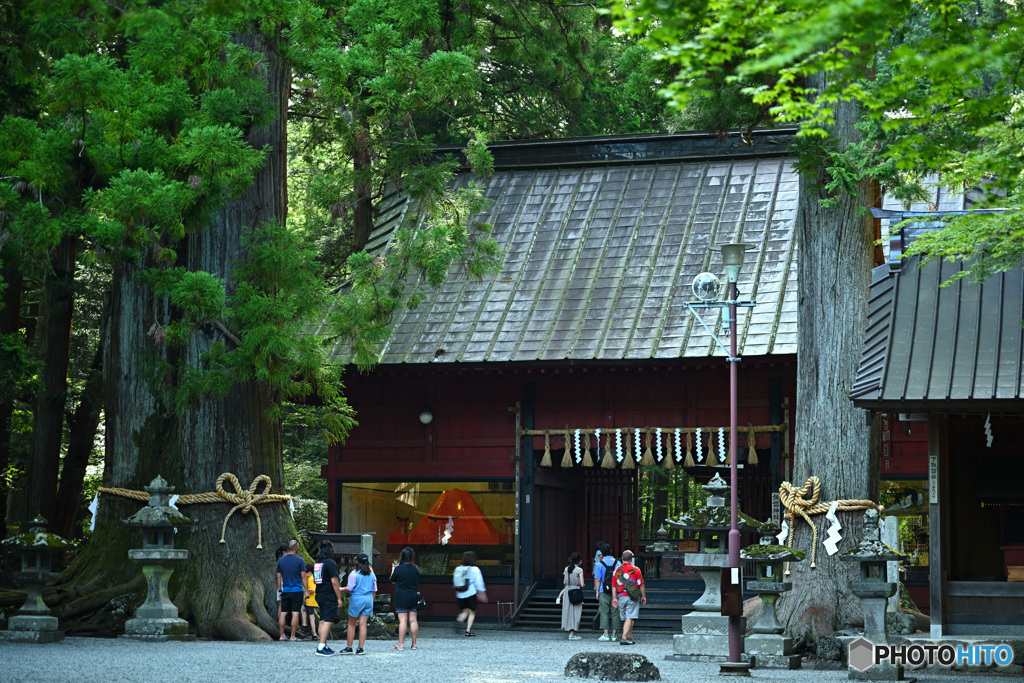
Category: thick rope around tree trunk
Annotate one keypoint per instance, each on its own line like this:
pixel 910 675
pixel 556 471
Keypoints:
pixel 793 499
pixel 244 500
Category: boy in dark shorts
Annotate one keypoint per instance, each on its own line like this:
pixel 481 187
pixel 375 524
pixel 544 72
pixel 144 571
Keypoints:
pixel 328 594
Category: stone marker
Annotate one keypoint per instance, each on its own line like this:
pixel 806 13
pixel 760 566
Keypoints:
pixel 611 666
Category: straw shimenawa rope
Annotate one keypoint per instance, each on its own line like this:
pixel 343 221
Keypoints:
pixel 793 499
pixel 567 457
pixel 244 500
pixel 688 462
pixel 751 445
pixel 670 461
pixel 608 461
pixel 711 460
pixel 627 462
pixel 648 458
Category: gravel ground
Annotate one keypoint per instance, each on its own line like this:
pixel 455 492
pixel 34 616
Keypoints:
pixel 494 656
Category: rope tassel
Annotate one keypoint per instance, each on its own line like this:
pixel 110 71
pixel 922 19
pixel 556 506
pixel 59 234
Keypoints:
pixel 670 461
pixel 567 458
pixel 712 459
pixel 689 452
pixel 751 445
pixel 587 460
pixel 546 460
pixel 648 458
pixel 608 462
pixel 628 463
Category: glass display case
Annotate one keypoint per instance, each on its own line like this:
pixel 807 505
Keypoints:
pixel 440 520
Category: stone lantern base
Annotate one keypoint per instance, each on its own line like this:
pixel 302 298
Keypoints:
pixel 705 638
pixel 32 629
pixel 771 651
pixel 157 630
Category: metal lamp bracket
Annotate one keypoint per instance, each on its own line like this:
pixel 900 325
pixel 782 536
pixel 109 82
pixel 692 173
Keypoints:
pixel 693 306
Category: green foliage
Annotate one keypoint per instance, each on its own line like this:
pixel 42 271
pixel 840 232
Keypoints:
pixel 937 83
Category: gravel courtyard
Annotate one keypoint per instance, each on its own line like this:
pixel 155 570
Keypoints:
pixel 494 656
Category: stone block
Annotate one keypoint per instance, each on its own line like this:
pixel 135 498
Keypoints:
pixel 707 560
pixel 900 623
pixel 695 644
pixel 32 636
pixel 831 649
pixel 157 629
pixel 879 672
pixel 612 666
pixel 768 644
pixel 708 624
pixel 32 622
pixel 788 662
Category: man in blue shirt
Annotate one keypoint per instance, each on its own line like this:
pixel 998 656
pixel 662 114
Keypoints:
pixel 603 571
pixel 291 583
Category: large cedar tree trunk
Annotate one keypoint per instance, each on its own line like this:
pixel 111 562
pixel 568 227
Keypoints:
pixel 228 591
pixel 832 438
pixel 10 324
pixel 48 410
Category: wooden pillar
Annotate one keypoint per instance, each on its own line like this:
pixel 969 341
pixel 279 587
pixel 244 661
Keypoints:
pixel 938 493
pixel 527 527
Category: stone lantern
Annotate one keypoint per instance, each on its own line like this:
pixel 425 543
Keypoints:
pixel 874 592
pixel 768 645
pixel 33 623
pixel 157 618
pixel 705 632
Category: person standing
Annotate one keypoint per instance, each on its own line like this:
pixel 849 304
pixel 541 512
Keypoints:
pixel 291 586
pixel 572 579
pixel 328 594
pixel 362 588
pixel 629 593
pixel 469 590
pixel 406 577
pixel 311 608
pixel 603 573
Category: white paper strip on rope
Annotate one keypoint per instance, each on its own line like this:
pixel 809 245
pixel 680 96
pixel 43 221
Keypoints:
pixel 831 542
pixel 576 440
pixel 449 528
pixel 700 451
pixel 173 500
pixel 618 445
pixel 721 445
pixel 679 450
pixel 94 507
pixel 291 508
pixel 657 444
pixel 784 534
pixel 637 453
pixel 597 435
pixel 988 430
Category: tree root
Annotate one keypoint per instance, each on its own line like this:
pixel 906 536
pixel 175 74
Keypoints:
pixel 233 622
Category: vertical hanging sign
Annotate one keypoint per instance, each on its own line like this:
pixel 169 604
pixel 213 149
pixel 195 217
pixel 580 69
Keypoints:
pixel 933 480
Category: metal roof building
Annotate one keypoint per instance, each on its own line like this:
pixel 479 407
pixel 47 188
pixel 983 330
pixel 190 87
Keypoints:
pixel 601 239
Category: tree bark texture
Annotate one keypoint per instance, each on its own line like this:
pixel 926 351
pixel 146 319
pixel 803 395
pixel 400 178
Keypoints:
pixel 362 214
pixel 833 440
pixel 10 324
pixel 48 410
pixel 227 590
pixel 81 440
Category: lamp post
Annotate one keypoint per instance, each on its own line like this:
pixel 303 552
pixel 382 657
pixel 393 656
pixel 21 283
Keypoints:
pixel 706 286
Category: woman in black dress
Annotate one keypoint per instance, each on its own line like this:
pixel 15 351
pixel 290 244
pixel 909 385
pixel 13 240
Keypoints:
pixel 406 577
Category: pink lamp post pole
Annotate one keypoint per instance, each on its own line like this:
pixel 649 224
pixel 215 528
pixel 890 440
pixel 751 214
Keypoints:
pixel 735 644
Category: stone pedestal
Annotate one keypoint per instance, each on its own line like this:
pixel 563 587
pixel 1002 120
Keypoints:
pixel 157 618
pixel 33 623
pixel 704 638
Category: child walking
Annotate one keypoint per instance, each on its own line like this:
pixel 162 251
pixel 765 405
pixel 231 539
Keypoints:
pixel 362 588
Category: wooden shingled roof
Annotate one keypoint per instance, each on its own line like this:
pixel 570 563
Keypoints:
pixel 601 240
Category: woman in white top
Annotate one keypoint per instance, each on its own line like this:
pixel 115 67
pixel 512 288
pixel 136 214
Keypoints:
pixel 571 578
pixel 469 574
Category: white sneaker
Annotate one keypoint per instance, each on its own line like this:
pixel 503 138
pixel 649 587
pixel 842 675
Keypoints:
pixel 604 639
pixel 613 639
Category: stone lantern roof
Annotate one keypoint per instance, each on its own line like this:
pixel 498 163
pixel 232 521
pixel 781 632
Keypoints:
pixel 871 548
pixel 37 537
pixel 158 511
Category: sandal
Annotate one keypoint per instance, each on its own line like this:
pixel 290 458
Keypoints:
pixel 414 648
pixel 470 635
pixel 398 647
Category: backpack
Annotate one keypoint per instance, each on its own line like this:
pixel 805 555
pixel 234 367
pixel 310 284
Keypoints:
pixel 609 571
pixel 460 579
pixel 632 588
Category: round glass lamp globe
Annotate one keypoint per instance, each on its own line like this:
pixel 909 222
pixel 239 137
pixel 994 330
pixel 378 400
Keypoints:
pixel 426 417
pixel 706 286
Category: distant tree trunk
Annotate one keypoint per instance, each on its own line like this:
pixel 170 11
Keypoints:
pixel 227 590
pixel 832 438
pixel 81 440
pixel 362 215
pixel 48 410
pixel 10 324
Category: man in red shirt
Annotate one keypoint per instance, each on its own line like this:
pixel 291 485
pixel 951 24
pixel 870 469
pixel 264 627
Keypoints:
pixel 628 593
